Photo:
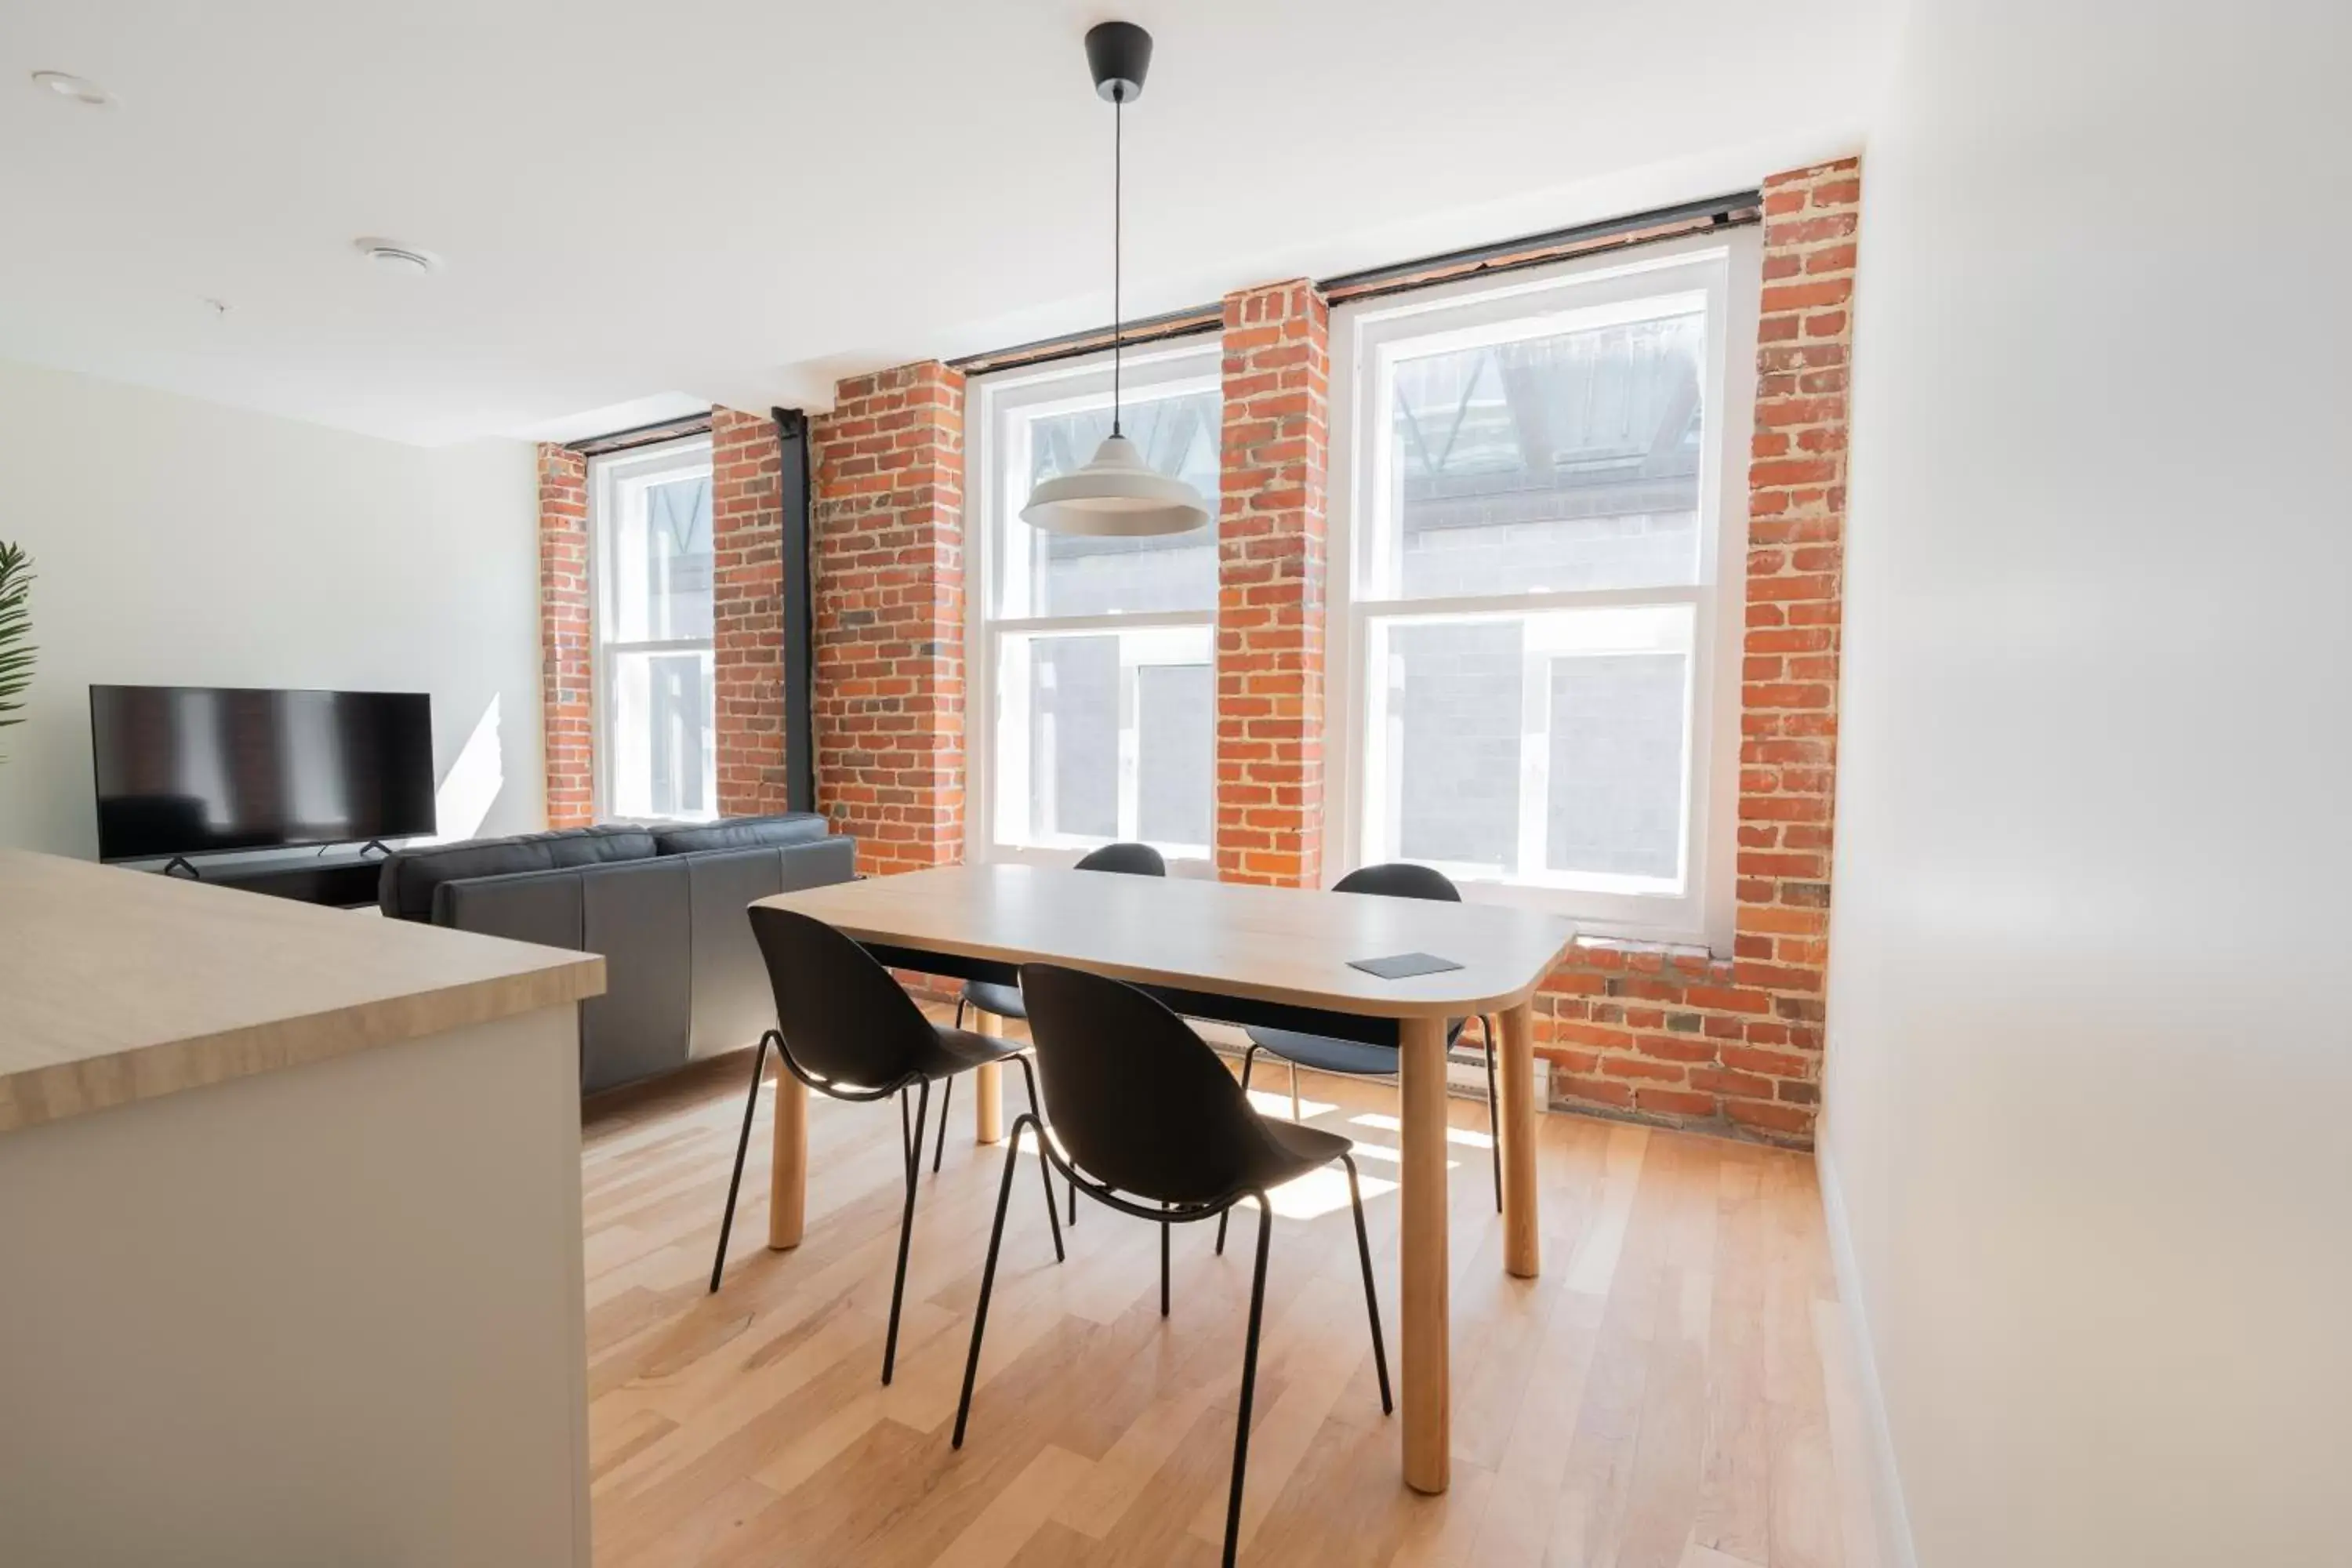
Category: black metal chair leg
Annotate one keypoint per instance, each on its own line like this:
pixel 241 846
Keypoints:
pixel 906 1229
pixel 1163 1265
pixel 742 1145
pixel 1249 1060
pixel 947 1094
pixel 910 1149
pixel 1045 1166
pixel 1249 1380
pixel 1493 1121
pixel 987 1279
pixel 961 1002
pixel 1074 1201
pixel 1371 1297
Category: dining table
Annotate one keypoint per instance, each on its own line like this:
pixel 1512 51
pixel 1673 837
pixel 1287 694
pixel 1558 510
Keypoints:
pixel 1251 955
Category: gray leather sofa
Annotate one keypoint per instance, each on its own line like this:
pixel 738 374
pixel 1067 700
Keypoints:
pixel 665 906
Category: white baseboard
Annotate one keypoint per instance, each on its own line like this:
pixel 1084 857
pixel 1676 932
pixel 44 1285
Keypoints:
pixel 1892 1516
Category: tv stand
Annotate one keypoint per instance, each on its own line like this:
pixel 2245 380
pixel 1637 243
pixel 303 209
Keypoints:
pixel 348 880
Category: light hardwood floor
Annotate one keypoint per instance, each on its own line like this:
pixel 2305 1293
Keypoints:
pixel 1672 1392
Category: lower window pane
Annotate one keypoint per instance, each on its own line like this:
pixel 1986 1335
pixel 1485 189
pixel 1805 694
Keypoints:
pixel 1550 748
pixel 664 758
pixel 1614 803
pixel 1175 747
pixel 1454 739
pixel 1073 737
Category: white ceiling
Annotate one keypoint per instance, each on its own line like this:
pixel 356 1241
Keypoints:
pixel 643 205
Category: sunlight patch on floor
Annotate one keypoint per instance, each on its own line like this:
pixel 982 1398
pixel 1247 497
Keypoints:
pixel 1269 1102
pixel 1462 1135
pixel 1321 1192
pixel 1382 1153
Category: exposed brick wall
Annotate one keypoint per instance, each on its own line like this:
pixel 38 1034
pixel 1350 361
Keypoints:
pixel 565 677
pixel 747 523
pixel 888 526
pixel 1680 1036
pixel 1270 582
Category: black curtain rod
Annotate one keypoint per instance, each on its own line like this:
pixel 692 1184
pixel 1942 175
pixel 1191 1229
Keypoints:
pixel 1729 211
pixel 652 434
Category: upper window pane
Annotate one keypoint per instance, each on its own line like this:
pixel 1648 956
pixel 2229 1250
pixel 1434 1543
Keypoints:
pixel 1049 574
pixel 659 561
pixel 1562 461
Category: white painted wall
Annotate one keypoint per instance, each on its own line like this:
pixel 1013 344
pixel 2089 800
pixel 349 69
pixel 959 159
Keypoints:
pixel 2090 1017
pixel 178 543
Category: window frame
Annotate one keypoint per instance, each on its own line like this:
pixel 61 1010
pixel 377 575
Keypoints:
pixel 1728 271
pixel 606 471
pixel 994 401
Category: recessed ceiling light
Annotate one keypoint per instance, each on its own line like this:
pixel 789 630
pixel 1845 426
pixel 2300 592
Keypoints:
pixel 393 256
pixel 81 89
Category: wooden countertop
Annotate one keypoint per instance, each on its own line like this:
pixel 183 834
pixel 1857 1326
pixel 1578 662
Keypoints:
pixel 119 986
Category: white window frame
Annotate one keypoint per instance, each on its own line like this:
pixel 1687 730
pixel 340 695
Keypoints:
pixel 1728 270
pixel 999 406
pixel 606 474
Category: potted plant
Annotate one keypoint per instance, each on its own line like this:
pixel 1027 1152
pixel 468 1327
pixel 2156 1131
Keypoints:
pixel 16 631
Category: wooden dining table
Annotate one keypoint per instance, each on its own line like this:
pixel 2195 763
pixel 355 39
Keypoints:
pixel 1249 955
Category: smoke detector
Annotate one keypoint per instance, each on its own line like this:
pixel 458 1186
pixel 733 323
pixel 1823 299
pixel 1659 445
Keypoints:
pixel 391 256
pixel 81 89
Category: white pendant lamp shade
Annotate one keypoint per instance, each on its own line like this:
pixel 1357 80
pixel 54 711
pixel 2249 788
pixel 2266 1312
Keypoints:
pixel 1115 496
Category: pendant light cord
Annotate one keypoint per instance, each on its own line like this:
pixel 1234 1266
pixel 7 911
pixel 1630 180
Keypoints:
pixel 1117 238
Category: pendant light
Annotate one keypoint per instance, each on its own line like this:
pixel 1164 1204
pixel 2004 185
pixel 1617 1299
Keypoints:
pixel 1117 494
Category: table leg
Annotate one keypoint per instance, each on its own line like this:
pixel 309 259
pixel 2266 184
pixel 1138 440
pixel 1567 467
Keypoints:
pixel 988 1086
pixel 1427 1331
pixel 788 1175
pixel 1522 1229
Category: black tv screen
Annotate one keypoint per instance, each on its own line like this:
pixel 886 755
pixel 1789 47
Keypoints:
pixel 187 770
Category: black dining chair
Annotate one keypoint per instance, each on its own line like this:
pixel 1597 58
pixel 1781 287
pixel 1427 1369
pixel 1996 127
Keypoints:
pixel 1398 880
pixel 1005 1001
pixel 1151 1123
pixel 848 1030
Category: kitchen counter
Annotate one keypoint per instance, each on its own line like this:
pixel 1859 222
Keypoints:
pixel 290 1231
pixel 119 986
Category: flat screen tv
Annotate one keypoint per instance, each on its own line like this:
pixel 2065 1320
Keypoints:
pixel 190 770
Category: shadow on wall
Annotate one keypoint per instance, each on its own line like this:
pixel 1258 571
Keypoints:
pixel 471 787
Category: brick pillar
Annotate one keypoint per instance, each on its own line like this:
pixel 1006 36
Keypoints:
pixel 566 691
pixel 747 522
pixel 887 524
pixel 1270 602
pixel 1796 560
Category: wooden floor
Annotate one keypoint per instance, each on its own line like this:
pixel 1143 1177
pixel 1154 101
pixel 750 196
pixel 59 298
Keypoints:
pixel 1671 1392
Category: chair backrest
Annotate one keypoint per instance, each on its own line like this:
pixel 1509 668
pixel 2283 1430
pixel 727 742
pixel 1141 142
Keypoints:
pixel 1135 1098
pixel 1133 860
pixel 843 1017
pixel 1399 880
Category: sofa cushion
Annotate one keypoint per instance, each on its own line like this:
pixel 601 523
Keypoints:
pixel 741 833
pixel 405 889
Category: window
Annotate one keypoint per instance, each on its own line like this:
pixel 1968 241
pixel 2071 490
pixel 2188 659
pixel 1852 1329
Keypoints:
pixel 1092 659
pixel 657 757
pixel 1532 549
